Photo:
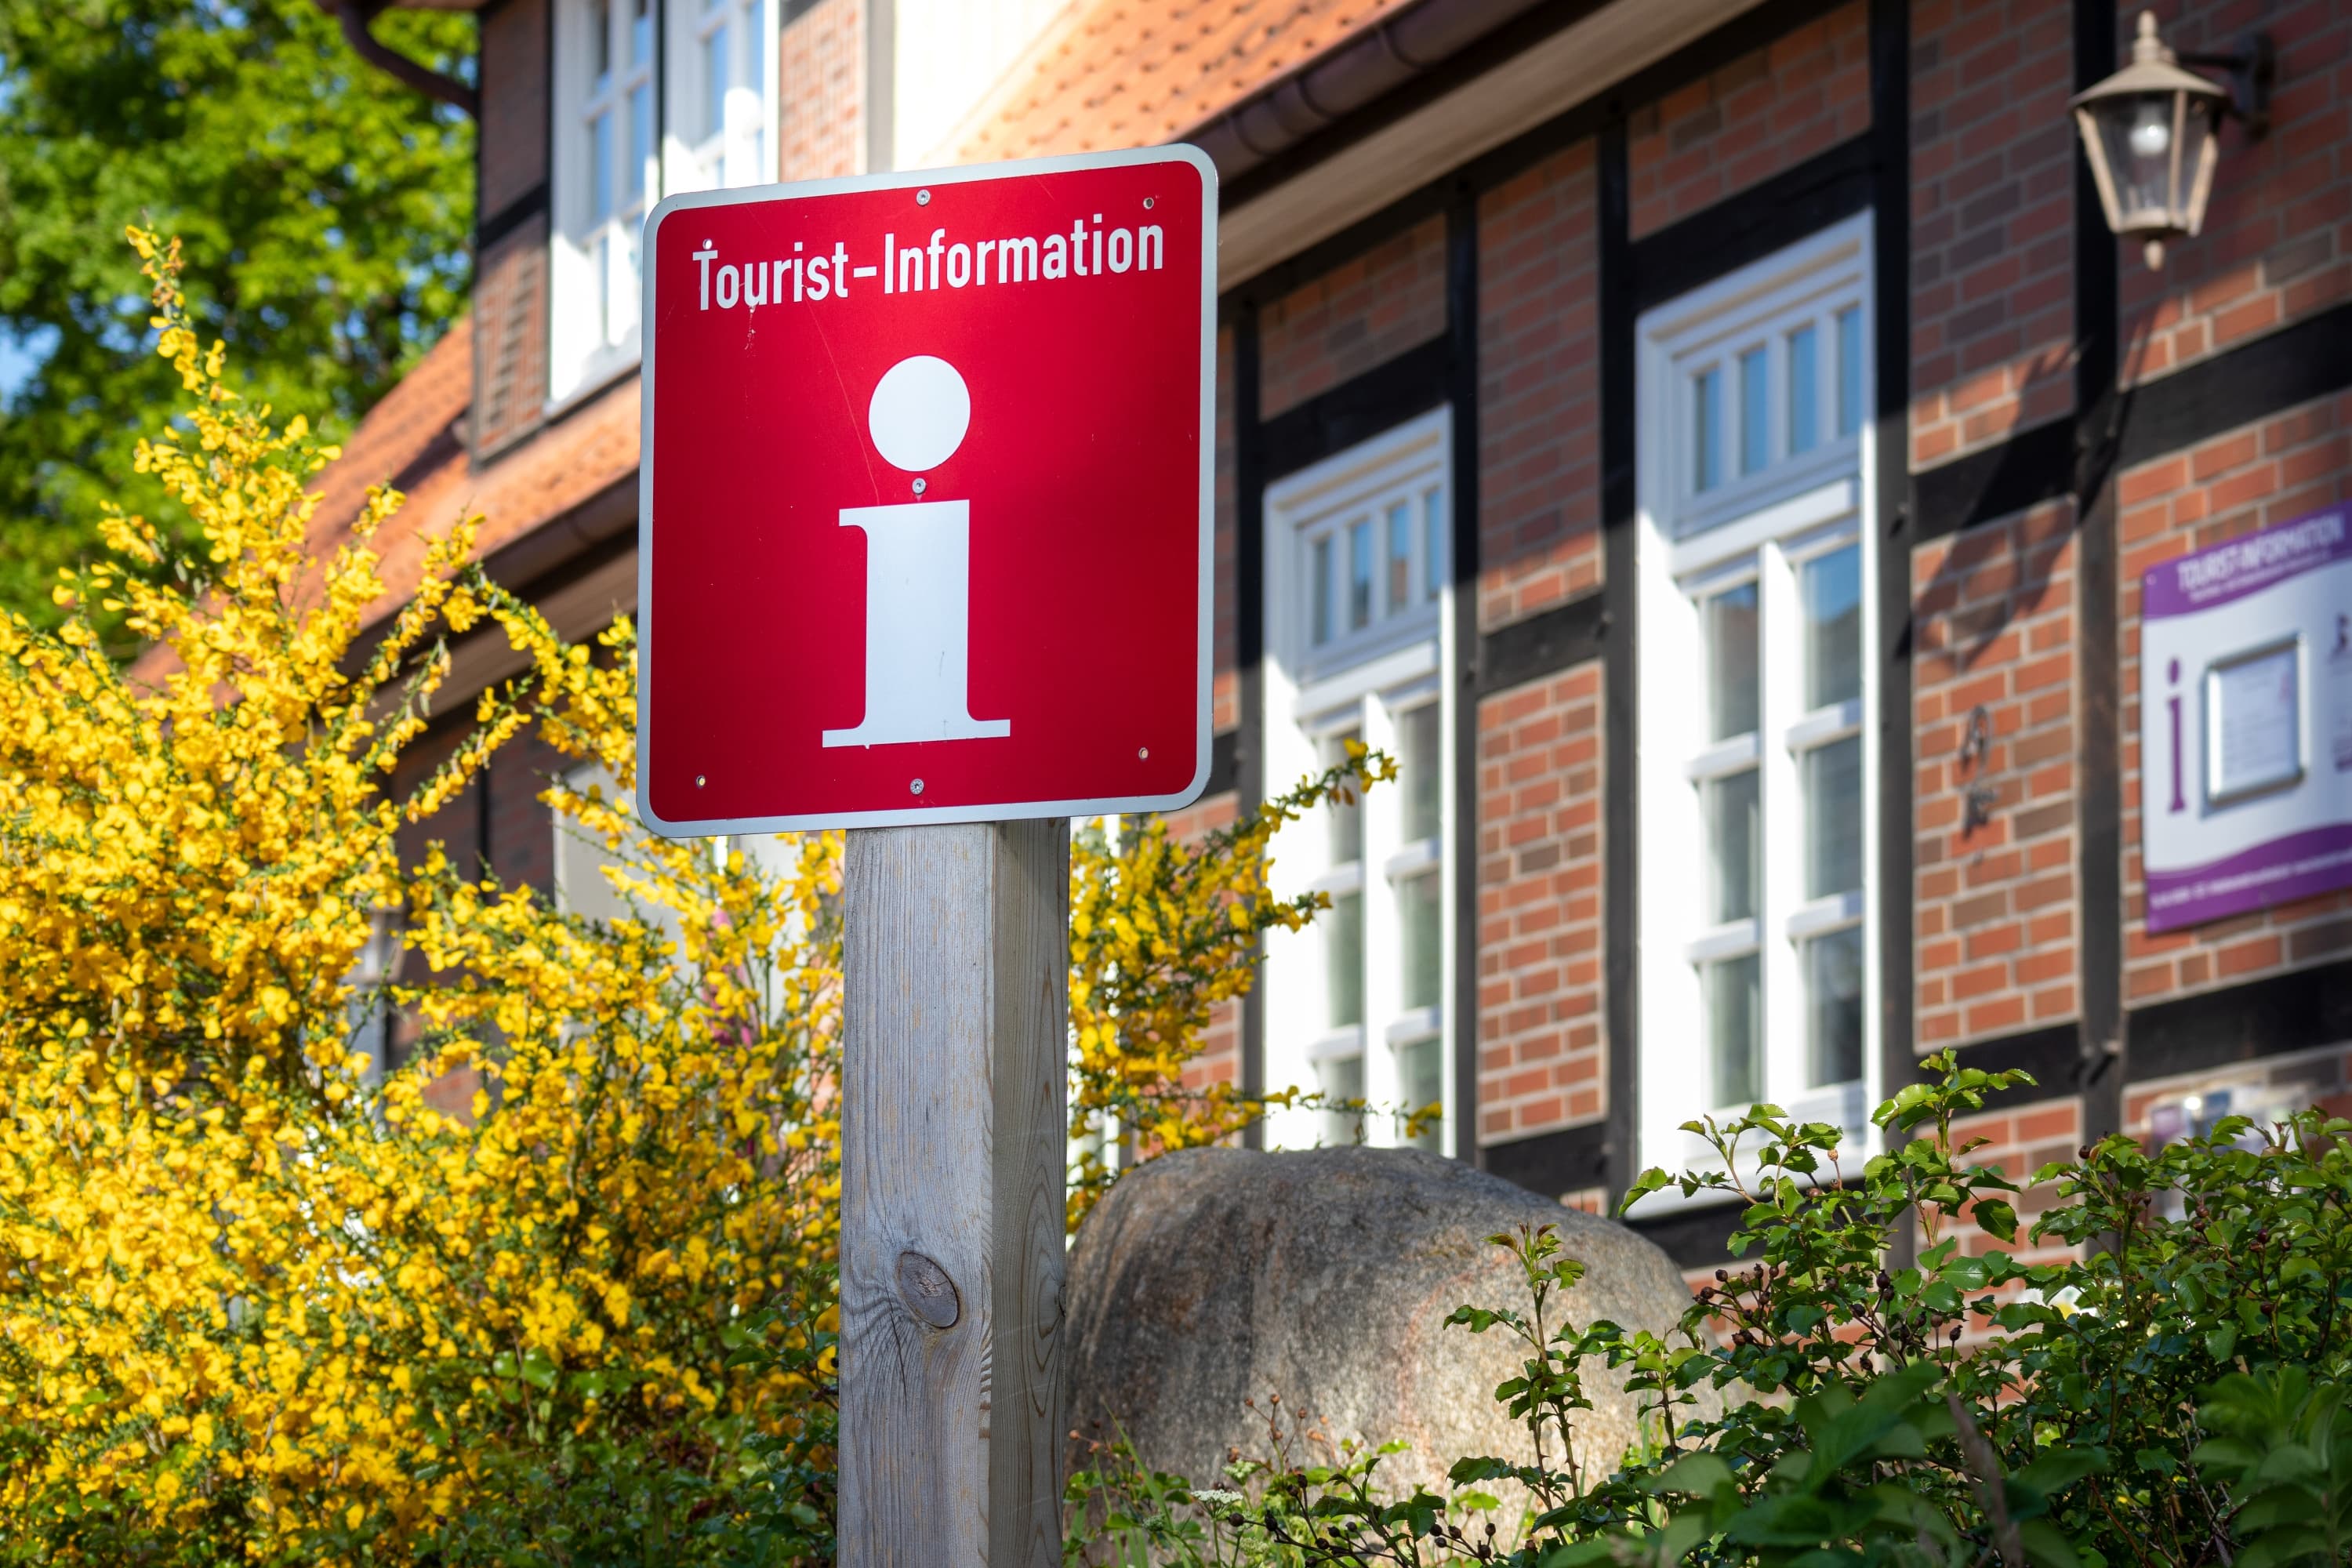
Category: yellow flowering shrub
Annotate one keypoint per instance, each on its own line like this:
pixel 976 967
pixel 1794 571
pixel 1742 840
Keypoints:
pixel 263 1299
pixel 1161 931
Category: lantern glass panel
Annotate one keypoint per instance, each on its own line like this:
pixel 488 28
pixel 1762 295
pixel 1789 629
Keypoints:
pixel 2139 133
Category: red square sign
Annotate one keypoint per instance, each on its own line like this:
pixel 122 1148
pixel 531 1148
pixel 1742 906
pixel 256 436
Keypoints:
pixel 924 510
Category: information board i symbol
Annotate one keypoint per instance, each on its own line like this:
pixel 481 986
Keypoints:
pixel 918 571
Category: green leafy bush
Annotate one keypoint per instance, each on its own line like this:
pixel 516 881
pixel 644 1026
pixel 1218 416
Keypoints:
pixel 2174 1391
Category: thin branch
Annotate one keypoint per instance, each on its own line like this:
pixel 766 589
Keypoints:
pixel 355 15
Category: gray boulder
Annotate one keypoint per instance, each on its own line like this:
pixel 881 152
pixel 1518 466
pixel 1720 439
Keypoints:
pixel 1210 1276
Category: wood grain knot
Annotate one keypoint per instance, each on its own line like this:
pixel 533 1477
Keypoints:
pixel 928 1291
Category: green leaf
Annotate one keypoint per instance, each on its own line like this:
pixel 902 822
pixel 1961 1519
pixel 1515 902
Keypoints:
pixel 1996 1218
pixel 1698 1475
pixel 2046 1546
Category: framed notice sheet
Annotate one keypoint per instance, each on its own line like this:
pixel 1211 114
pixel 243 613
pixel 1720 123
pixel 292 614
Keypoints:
pixel 2253 722
pixel 2245 722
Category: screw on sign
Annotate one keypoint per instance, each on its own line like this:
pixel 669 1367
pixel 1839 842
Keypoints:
pixel 924 551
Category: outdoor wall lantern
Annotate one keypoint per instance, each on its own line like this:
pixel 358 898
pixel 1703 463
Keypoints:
pixel 2152 133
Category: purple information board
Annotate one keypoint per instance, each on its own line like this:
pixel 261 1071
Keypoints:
pixel 2246 723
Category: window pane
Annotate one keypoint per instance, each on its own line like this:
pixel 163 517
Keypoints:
pixel 1755 414
pixel 1707 431
pixel 600 42
pixel 1343 954
pixel 600 258
pixel 1729 619
pixel 1341 1077
pixel 625 298
pixel 1831 588
pixel 1321 589
pixel 1417 911
pixel 1348 816
pixel 1417 760
pixel 1732 841
pixel 600 168
pixel 1833 818
pixel 1400 557
pixel 641 32
pixel 1833 1001
pixel 1804 390
pixel 1735 1043
pixel 714 81
pixel 1433 542
pixel 1421 1069
pixel 1359 574
pixel 641 139
pixel 1849 336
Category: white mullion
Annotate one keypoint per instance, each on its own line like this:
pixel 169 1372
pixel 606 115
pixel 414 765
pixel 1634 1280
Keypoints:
pixel 1383 820
pixel 1780 679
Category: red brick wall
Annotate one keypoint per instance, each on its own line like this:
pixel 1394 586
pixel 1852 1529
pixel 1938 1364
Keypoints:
pixel 1995 903
pixel 1539 390
pixel 2248 479
pixel 1362 312
pixel 510 277
pixel 1220 1060
pixel 1768 110
pixel 2019 1143
pixel 821 64
pixel 2277 242
pixel 1992 228
pixel 1541 1031
pixel 513 131
pixel 509 338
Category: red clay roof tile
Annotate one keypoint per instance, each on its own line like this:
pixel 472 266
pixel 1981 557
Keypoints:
pixel 1132 73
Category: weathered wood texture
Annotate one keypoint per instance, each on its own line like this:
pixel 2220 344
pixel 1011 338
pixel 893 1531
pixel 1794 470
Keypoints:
pixel 957 947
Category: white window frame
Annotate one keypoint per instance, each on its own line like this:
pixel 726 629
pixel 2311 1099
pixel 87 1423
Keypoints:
pixel 594 334
pixel 592 328
pixel 1363 683
pixel 743 152
pixel 1692 543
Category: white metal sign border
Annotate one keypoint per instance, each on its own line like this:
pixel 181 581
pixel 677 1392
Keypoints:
pixel 708 827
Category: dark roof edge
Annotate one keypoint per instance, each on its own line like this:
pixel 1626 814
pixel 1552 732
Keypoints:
pixel 1345 78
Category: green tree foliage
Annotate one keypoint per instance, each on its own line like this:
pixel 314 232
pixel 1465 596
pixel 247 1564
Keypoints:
pixel 327 209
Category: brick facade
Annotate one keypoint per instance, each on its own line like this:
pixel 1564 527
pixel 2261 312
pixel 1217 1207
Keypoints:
pixel 511 337
pixel 1362 312
pixel 2245 479
pixel 1994 814
pixel 1769 110
pixel 2277 243
pixel 1542 1038
pixel 513 137
pixel 2019 1143
pixel 510 273
pixel 1539 390
pixel 820 118
pixel 1220 1057
pixel 1999 928
pixel 1993 222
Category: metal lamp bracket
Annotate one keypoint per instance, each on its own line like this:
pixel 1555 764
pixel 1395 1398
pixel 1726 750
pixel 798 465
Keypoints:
pixel 2252 71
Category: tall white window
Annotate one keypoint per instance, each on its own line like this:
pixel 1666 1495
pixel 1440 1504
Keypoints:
pixel 722 91
pixel 607 177
pixel 1359 1006
pixel 1759 968
pixel 651 97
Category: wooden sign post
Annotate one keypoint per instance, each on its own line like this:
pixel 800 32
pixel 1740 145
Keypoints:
pixel 952 1164
pixel 926 548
